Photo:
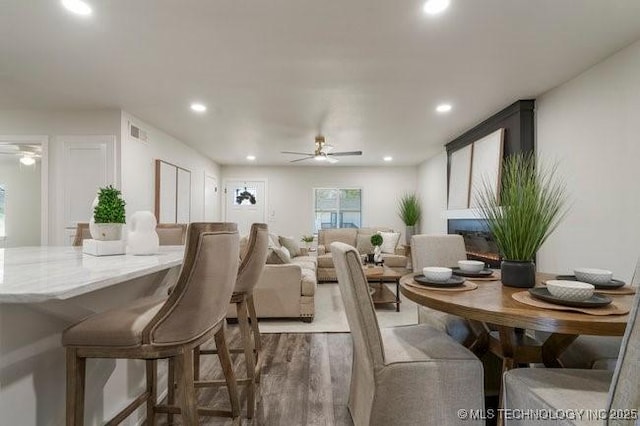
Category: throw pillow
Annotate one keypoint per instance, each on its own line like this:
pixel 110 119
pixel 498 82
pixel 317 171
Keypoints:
pixel 278 256
pixel 389 241
pixel 292 245
pixel 274 241
pixel 363 244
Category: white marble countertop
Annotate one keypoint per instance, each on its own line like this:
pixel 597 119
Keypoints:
pixel 40 274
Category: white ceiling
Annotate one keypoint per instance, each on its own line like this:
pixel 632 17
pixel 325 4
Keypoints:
pixel 366 73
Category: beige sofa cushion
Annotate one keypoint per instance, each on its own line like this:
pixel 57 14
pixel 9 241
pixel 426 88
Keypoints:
pixel 394 260
pixel 343 235
pixel 308 283
pixel 363 244
pixel 325 261
pixel 291 244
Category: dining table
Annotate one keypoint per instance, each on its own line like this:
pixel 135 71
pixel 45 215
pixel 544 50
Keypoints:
pixel 44 290
pixel 500 321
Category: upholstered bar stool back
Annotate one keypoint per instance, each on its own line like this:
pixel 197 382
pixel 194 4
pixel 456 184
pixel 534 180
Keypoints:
pixel 150 329
pixel 195 305
pixel 171 234
pixel 253 262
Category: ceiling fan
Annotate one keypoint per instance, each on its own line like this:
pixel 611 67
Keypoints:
pixel 322 152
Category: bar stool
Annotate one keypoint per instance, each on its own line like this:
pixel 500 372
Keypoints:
pixel 191 315
pixel 249 274
pixel 171 234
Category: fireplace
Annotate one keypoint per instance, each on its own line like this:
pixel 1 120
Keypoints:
pixel 477 240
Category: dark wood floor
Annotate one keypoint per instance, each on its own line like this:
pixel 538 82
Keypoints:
pixel 305 380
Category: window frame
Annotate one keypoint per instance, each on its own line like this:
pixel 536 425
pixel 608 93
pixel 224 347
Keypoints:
pixel 338 210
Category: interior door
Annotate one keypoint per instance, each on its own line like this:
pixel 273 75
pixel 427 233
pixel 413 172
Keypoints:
pixel 88 163
pixel 245 202
pixel 210 198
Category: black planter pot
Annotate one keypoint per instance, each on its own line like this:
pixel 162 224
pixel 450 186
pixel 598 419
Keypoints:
pixel 516 273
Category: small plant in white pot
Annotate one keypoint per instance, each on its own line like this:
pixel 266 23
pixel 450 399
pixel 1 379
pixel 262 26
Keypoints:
pixel 108 215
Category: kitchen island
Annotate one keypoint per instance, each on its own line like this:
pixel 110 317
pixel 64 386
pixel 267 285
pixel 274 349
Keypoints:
pixel 43 290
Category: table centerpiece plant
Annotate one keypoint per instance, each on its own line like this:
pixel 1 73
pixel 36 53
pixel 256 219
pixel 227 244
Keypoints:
pixel 409 211
pixel 376 241
pixel 529 207
pixel 307 240
pixel 108 215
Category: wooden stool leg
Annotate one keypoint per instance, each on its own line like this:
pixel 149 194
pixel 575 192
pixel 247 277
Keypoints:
pixel 171 387
pixel 227 369
pixel 247 342
pixel 196 363
pixel 152 389
pixel 254 324
pixel 186 389
pixel 76 368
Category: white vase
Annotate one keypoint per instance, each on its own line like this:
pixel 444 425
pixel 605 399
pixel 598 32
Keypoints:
pixel 377 254
pixel 143 239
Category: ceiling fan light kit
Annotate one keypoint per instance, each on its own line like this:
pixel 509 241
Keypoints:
pixel 322 152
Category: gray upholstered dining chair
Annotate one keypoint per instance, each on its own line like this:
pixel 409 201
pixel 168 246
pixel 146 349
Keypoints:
pixel 249 273
pixel 402 375
pixel 598 352
pixel 560 388
pixel 171 234
pixel 152 329
pixel 440 250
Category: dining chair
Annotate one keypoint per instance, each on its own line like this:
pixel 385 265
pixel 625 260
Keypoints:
pixel 402 375
pixel 597 352
pixel 171 234
pixel 82 233
pixel 441 250
pixel 553 389
pixel 171 328
pixel 249 273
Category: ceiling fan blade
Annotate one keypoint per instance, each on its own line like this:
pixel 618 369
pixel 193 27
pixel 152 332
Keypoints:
pixel 344 153
pixel 296 153
pixel 301 159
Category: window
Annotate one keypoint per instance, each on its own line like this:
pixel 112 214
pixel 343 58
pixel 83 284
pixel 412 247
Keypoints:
pixel 337 208
pixel 2 210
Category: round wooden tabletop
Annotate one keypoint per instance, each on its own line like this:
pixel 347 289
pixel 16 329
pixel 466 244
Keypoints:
pixel 492 303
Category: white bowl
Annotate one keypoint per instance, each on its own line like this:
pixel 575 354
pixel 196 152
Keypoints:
pixel 437 273
pixel 570 290
pixel 470 265
pixel 593 276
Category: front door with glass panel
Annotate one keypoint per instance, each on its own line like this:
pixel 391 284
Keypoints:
pixel 245 203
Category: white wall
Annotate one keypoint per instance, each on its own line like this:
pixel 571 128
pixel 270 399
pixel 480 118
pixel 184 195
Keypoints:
pixel 22 213
pixel 432 189
pixel 290 192
pixel 54 124
pixel 590 124
pixel 138 167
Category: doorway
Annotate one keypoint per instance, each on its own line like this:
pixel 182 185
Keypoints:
pixel 245 202
pixel 24 211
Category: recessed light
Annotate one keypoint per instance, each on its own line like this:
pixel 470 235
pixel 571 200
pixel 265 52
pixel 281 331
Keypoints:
pixel 27 161
pixel 443 108
pixel 433 7
pixel 198 107
pixel 251 157
pixel 77 6
pixel 388 158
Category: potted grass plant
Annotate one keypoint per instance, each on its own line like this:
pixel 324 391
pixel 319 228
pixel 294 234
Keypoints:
pixel 531 204
pixel 108 215
pixel 409 211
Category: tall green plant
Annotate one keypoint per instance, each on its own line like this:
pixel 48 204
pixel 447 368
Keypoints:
pixel 530 207
pixel 409 209
pixel 110 208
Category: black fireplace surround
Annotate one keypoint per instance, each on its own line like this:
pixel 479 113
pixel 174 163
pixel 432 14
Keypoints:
pixel 478 240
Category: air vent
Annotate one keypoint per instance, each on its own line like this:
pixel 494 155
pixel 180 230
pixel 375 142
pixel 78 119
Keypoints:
pixel 137 133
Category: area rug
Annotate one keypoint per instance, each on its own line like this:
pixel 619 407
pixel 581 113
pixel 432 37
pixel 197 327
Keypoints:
pixel 331 318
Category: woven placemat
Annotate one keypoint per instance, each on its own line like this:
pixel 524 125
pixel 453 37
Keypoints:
pixel 466 286
pixel 526 298
pixel 627 289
